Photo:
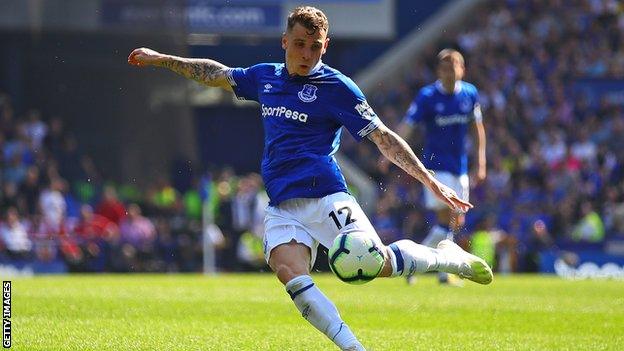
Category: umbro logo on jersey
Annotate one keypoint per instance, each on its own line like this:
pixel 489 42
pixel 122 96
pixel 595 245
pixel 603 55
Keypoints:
pixel 267 87
pixel 308 93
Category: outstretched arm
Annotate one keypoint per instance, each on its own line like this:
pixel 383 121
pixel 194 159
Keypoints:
pixel 205 71
pixel 396 150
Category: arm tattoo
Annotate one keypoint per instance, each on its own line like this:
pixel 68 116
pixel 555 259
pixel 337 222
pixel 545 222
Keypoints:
pixel 205 71
pixel 397 151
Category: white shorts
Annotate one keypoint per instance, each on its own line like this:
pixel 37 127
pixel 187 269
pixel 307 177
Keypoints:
pixel 453 181
pixel 314 221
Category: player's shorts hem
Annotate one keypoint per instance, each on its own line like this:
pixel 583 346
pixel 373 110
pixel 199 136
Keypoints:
pixel 285 240
pixel 279 232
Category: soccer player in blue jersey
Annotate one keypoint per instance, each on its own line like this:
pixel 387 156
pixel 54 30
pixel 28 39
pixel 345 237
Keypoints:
pixel 446 108
pixel 304 103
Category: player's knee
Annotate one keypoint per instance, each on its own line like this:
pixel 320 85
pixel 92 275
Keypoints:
pixel 287 272
pixel 289 261
pixel 282 269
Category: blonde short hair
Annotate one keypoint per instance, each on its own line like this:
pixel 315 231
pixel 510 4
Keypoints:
pixel 310 17
pixel 449 55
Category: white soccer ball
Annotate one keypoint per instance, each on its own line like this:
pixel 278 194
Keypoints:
pixel 355 258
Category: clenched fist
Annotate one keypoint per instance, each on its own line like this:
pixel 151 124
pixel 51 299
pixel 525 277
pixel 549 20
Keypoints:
pixel 145 57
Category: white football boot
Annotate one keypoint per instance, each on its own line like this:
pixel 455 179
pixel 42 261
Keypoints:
pixel 469 266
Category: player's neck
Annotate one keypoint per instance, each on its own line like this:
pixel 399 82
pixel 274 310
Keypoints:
pixel 312 71
pixel 448 88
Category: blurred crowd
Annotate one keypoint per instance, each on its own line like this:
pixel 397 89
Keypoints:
pixel 57 208
pixel 555 162
pixel 555 158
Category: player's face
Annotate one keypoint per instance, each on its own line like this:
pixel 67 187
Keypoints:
pixel 303 50
pixel 450 70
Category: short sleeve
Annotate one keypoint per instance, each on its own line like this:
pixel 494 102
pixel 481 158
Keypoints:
pixel 244 82
pixel 353 112
pixel 476 114
pixel 416 111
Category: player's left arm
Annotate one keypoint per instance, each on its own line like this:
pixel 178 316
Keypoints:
pixel 479 133
pixel 399 152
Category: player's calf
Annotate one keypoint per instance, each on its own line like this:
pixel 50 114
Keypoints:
pixel 317 309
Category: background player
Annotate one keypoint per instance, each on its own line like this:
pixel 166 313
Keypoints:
pixel 446 108
pixel 304 104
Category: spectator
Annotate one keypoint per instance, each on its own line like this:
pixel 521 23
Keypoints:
pixel 54 138
pixel 52 205
pixel 69 159
pixel 590 228
pixel 484 241
pixel 135 229
pixel 14 236
pixel 138 239
pixel 35 129
pixel 162 198
pixel 110 206
pixel 30 190
pixel 93 227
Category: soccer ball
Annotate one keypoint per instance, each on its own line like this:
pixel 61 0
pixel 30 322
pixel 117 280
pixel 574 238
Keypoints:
pixel 355 259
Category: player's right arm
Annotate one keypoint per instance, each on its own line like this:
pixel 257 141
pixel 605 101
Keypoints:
pixel 398 151
pixel 205 71
pixel 404 129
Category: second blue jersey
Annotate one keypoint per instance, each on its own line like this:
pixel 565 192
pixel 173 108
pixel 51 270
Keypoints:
pixel 302 117
pixel 446 118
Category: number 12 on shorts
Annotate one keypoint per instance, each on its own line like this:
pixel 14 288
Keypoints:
pixel 348 219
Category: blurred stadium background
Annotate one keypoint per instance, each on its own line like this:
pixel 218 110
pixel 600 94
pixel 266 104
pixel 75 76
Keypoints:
pixel 107 168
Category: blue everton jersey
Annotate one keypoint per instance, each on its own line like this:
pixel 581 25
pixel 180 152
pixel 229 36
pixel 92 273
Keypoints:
pixel 446 118
pixel 302 117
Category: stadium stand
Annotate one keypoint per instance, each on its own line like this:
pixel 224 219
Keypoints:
pixel 551 184
pixel 555 178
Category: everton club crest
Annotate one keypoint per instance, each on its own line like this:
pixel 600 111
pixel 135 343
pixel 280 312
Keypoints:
pixel 308 93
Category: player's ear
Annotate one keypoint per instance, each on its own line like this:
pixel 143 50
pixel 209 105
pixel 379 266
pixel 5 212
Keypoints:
pixel 284 40
pixel 325 45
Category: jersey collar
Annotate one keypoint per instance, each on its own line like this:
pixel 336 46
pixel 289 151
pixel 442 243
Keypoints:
pixel 314 71
pixel 316 68
pixel 440 87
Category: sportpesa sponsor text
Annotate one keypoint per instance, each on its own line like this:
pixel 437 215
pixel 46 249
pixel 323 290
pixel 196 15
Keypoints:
pixel 444 121
pixel 282 111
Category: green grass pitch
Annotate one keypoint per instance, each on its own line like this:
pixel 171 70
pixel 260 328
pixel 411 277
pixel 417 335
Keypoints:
pixel 253 312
